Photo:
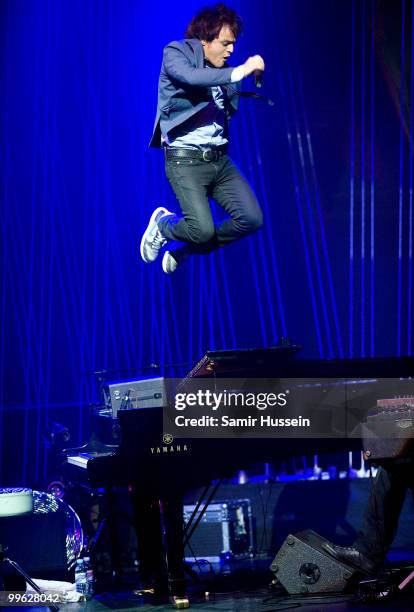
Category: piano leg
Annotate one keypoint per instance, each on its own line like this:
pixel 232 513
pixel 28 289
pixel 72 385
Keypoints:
pixel 159 526
pixel 152 570
pixel 172 530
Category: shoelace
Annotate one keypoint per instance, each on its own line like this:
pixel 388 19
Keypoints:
pixel 158 241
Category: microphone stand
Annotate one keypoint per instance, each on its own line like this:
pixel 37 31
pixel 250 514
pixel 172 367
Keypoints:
pixel 20 570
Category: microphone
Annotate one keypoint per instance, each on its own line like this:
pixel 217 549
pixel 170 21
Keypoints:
pixel 258 74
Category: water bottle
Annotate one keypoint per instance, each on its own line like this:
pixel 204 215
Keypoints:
pixel 89 577
pixel 80 578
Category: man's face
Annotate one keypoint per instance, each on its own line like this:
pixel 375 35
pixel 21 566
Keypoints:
pixel 218 50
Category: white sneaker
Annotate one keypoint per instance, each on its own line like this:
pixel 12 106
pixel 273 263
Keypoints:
pixel 169 263
pixel 152 240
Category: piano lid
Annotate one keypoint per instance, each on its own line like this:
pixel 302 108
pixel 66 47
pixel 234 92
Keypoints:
pixel 284 361
pixel 245 362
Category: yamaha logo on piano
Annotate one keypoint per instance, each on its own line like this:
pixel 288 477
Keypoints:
pixel 169 447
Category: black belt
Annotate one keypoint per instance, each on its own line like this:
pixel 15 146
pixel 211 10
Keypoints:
pixel 207 155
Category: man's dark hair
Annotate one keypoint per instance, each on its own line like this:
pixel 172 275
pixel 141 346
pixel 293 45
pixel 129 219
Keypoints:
pixel 207 23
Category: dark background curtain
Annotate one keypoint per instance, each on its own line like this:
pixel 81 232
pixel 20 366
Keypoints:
pixel 331 164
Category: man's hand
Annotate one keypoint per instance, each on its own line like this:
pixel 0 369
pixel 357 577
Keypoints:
pixel 253 63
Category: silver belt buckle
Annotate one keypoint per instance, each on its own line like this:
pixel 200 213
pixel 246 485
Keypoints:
pixel 206 155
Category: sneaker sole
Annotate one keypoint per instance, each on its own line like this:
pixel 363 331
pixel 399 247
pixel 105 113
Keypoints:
pixel 164 265
pixel 149 227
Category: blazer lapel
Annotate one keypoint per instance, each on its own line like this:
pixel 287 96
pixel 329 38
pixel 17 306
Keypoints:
pixel 197 47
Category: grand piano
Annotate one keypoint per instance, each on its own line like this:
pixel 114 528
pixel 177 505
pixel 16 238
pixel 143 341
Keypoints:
pixel 159 470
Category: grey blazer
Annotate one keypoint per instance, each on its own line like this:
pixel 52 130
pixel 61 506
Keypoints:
pixel 184 86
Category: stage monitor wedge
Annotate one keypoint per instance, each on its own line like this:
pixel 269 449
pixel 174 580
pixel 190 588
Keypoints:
pixel 303 566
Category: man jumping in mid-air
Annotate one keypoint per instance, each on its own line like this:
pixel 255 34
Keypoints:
pixel 197 95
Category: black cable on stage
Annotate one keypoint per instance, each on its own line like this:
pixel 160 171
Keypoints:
pixel 288 602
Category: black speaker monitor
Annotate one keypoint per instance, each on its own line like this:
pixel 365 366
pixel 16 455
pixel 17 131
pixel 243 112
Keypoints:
pixel 303 566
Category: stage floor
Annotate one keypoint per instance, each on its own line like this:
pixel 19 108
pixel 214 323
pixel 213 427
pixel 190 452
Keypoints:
pixel 247 588
pixel 251 601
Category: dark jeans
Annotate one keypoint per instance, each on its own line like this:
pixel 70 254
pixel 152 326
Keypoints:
pixel 193 182
pixel 387 495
